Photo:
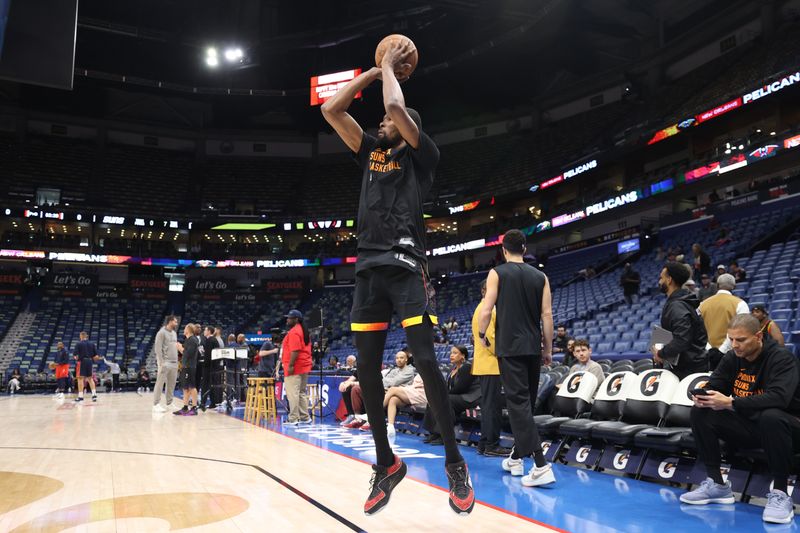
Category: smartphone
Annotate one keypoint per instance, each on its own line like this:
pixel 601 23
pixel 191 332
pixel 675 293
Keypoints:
pixel 699 392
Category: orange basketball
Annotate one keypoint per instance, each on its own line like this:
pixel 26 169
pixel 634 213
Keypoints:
pixel 412 59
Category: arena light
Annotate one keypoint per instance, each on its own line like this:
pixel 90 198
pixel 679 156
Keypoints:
pixel 234 54
pixel 212 58
pixel 241 226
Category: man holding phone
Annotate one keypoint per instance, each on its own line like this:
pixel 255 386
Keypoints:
pixel 752 400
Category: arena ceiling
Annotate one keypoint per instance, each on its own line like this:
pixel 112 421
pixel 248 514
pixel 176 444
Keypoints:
pixel 476 55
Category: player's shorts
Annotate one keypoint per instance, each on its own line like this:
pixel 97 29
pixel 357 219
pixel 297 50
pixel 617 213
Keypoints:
pixel 188 378
pixel 383 289
pixel 86 367
pixel 62 371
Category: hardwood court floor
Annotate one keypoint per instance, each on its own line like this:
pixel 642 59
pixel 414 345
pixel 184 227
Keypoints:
pixel 115 466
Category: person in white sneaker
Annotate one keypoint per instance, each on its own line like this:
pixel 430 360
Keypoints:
pixel 14 381
pixel 143 381
pixel 752 400
pixel 397 397
pixel 62 370
pixel 166 349
pixel 523 343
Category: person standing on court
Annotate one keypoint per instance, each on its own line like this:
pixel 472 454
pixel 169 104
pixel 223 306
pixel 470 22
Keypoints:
pixel 524 342
pixel 115 370
pixel 217 371
pixel 266 359
pixel 296 361
pixel 191 352
pixel 62 370
pixel 487 370
pixel 398 168
pixel 207 343
pixel 86 355
pixel 166 348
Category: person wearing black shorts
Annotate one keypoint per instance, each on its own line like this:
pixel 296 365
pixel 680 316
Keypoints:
pixel 398 167
pixel 188 373
pixel 86 354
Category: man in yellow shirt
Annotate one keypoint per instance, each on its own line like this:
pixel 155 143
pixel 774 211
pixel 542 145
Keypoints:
pixel 486 367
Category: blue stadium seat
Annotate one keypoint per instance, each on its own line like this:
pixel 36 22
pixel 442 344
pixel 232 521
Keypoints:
pixel 641 346
pixel 622 346
pixel 782 314
pixel 780 304
pixel 605 347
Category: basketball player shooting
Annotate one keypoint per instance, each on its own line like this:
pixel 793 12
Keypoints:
pixel 391 271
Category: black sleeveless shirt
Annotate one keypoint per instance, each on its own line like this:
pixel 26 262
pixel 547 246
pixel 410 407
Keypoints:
pixel 519 310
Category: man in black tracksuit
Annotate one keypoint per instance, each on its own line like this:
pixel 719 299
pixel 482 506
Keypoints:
pixel 753 402
pixel 686 353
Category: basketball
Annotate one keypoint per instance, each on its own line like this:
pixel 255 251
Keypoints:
pixel 411 60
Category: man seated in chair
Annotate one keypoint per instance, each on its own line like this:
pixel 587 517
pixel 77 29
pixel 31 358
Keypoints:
pixel 583 357
pixel 752 401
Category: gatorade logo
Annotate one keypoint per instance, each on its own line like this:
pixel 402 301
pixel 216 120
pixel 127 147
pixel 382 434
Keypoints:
pixel 668 467
pixel 699 382
pixel 583 454
pixel 650 383
pixel 546 446
pixel 615 385
pixel 621 459
pixel 574 382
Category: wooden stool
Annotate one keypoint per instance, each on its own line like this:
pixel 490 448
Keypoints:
pixel 257 403
pixel 266 401
pixel 314 399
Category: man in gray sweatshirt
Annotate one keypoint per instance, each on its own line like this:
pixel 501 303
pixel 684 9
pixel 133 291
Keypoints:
pixel 166 348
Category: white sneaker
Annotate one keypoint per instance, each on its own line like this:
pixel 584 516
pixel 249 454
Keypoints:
pixel 60 396
pixel 539 476
pixel 515 466
pixel 158 408
pixel 390 431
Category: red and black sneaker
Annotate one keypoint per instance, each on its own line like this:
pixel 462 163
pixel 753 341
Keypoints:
pixel 384 480
pixel 462 497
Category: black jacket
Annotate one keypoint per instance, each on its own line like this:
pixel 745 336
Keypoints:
pixel 689 338
pixel 191 352
pixel 630 281
pixel 465 384
pixel 209 344
pixel 778 378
